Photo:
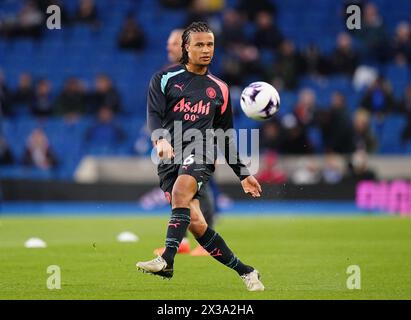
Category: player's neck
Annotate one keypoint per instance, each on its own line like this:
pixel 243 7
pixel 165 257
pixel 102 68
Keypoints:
pixel 197 69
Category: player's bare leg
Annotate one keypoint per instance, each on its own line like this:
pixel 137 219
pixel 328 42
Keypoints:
pixel 215 245
pixel 183 192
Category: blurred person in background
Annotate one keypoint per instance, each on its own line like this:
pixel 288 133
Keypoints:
pixel 344 59
pixel 42 105
pixel 373 34
pixel 404 105
pixel 232 29
pixel 104 94
pixel 358 167
pixel 267 34
pixel 306 107
pixel 71 103
pixel 314 63
pixel 87 13
pixel 270 171
pixel 307 172
pixel 6 156
pixel 379 98
pixel 363 138
pixel 27 23
pixel 131 36
pixel 24 93
pixel 38 153
pixel 401 44
pixel 174 46
pixel 5 96
pixel 333 169
pixel 271 136
pixel 335 123
pixel 203 10
pixel 288 66
pixel 295 140
pixel 250 9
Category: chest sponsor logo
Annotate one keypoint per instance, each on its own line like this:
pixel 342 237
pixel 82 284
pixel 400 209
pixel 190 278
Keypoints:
pixel 193 111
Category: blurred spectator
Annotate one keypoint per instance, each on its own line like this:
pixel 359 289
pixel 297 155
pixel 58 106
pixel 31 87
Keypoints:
pixel 379 98
pixel 307 172
pixel 202 10
pixel 87 13
pixel 405 106
pixel 71 102
pixel 42 105
pixel 131 35
pixel 401 44
pixel 175 4
pixel 251 8
pixel 363 137
pixel 4 96
pixel 105 94
pixel 270 172
pixel 24 94
pixel 336 126
pixel 358 168
pixel 373 34
pixel 306 107
pixel 295 139
pixel 232 32
pixel 38 153
pixel 105 134
pixel 270 136
pixel 6 157
pixel 406 133
pixel 314 63
pixel 287 67
pixel 232 70
pixel 344 59
pixel 405 102
pixel 27 23
pixel 333 170
pixel 267 34
pixel 174 42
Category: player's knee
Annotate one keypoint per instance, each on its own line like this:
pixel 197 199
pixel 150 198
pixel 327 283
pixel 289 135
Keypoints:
pixel 180 199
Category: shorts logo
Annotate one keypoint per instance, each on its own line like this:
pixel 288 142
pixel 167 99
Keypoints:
pixel 211 93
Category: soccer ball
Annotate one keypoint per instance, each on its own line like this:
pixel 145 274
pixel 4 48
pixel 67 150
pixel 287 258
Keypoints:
pixel 260 100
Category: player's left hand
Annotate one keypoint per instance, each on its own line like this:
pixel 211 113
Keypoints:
pixel 251 186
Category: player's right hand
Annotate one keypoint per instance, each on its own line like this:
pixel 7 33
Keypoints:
pixel 164 149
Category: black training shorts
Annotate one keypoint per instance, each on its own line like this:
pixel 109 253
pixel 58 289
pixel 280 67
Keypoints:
pixel 168 174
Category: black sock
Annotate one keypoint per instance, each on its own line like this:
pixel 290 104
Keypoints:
pixel 177 227
pixel 215 245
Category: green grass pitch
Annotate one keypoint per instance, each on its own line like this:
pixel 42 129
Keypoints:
pixel 298 257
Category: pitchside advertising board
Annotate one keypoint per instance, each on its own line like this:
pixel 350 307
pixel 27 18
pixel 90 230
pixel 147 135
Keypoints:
pixel 387 196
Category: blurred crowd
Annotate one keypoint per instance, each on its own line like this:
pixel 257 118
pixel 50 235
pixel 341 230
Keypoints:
pixel 261 52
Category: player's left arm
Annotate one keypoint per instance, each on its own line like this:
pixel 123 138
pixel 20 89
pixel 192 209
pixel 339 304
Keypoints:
pixel 224 120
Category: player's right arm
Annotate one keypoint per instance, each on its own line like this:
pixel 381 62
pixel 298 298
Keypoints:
pixel 156 106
